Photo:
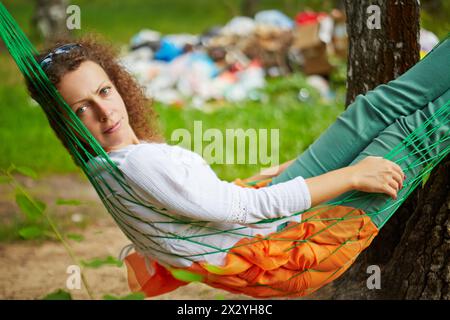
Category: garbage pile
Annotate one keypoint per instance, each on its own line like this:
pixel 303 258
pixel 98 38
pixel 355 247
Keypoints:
pixel 231 62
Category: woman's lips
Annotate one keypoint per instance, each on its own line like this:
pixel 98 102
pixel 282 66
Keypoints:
pixel 114 128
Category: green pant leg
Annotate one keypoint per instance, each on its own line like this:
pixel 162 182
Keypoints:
pixel 412 159
pixel 371 113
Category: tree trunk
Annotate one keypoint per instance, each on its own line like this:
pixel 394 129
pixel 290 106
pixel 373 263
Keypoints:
pixel 413 248
pixel 380 54
pixel 249 7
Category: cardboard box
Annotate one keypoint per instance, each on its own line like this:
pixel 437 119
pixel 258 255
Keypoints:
pixel 311 49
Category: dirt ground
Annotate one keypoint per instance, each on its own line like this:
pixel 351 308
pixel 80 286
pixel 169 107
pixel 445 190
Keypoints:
pixel 33 269
pixel 30 271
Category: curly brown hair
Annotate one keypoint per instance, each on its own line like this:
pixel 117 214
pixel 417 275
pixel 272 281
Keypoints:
pixel 143 118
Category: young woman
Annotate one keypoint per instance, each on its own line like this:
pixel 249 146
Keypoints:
pixel 348 156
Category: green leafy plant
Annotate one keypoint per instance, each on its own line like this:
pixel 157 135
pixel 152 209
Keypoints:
pixel 68 202
pixel 75 237
pixel 98 262
pixel 185 275
pixel 40 225
pixel 131 296
pixel 58 295
pixel 34 211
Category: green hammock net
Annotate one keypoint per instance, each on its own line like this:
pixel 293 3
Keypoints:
pixel 96 160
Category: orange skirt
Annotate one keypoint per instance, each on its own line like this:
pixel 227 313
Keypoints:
pixel 293 262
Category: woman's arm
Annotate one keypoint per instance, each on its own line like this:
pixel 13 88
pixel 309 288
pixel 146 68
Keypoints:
pixel 192 189
pixel 373 174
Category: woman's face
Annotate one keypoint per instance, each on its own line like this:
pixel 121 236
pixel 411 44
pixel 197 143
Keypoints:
pixel 95 100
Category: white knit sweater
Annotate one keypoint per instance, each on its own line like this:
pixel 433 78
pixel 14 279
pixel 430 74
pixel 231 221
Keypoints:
pixel 179 180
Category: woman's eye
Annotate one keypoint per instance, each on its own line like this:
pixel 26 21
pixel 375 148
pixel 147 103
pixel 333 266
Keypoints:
pixel 105 90
pixel 81 110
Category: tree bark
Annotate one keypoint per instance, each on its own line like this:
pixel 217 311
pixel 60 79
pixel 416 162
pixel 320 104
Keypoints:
pixel 413 248
pixel 380 55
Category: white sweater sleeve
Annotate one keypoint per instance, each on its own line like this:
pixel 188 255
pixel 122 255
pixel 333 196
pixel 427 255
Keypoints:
pixel 191 189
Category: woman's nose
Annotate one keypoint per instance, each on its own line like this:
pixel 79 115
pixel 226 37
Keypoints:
pixel 105 116
pixel 104 112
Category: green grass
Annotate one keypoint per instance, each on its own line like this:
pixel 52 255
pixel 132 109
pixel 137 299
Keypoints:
pixel 26 136
pixel 118 20
pixel 299 124
pixel 437 21
pixel 29 141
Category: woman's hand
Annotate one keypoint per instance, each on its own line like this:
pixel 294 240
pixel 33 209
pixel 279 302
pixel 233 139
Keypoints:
pixel 372 174
pixel 375 174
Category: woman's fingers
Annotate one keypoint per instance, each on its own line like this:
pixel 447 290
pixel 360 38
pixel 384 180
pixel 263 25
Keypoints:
pixel 399 179
pixel 391 191
pixel 394 185
pixel 397 175
pixel 399 170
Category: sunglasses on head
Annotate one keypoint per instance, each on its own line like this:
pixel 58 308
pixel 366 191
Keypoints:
pixel 48 59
